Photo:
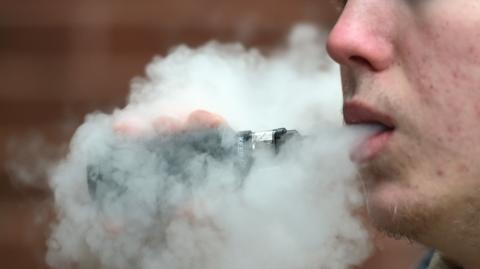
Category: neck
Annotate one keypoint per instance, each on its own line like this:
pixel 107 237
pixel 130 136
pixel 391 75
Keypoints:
pixel 457 246
pixel 455 230
pixel 464 262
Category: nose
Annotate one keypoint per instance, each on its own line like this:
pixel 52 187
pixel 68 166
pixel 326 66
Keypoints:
pixel 362 36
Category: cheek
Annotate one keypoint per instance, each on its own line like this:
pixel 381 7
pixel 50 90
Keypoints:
pixel 441 53
pixel 444 78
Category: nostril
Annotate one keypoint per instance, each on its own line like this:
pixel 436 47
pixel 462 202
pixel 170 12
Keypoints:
pixel 361 61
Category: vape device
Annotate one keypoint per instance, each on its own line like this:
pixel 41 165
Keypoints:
pixel 105 176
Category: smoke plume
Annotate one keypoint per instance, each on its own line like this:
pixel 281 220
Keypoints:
pixel 164 204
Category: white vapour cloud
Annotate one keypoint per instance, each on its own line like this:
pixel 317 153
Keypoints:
pixel 292 210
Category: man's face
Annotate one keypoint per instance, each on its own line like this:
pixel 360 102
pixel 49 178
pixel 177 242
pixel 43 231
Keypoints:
pixel 414 66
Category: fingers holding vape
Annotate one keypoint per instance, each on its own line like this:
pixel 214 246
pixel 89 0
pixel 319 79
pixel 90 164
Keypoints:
pixel 197 119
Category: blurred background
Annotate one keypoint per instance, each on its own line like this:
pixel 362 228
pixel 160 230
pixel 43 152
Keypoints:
pixel 62 59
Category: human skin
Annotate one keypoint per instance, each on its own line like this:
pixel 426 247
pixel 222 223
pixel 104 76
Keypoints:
pixel 418 63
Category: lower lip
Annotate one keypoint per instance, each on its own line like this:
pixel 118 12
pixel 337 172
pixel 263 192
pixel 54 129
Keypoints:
pixel 372 147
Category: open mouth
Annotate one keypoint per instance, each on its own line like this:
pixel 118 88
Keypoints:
pixel 356 113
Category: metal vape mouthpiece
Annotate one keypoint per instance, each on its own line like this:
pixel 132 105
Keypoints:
pixel 271 138
pixel 173 152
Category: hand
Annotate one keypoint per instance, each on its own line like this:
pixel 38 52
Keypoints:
pixel 196 120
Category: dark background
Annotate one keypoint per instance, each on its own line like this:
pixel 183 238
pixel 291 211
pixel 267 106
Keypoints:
pixel 61 59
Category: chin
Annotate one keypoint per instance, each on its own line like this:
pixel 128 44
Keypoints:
pixel 398 210
pixel 397 196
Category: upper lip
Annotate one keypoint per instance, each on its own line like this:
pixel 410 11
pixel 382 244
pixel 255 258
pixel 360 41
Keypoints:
pixel 357 112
